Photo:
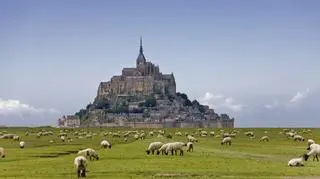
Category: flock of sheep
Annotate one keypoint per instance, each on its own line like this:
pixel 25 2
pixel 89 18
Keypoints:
pixel 81 160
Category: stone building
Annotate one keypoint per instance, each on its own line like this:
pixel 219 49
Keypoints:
pixel 145 79
pixel 71 121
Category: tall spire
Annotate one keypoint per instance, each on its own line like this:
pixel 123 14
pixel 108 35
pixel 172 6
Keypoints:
pixel 141 49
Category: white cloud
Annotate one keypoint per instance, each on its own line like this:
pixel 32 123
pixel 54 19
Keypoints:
pixel 209 96
pixel 220 101
pixel 300 96
pixel 10 106
pixel 230 104
pixel 274 104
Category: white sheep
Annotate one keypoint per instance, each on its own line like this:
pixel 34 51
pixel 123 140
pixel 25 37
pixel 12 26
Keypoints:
pixel 22 144
pixel 264 139
pixel 105 144
pixel 174 147
pixel 249 134
pixel 297 162
pixel 16 138
pixel 2 153
pixel 314 149
pixel 226 140
pixel 298 138
pixel 191 139
pixel 310 141
pixel 92 154
pixel 62 138
pixel 212 133
pixel 178 133
pixel 190 147
pixel 80 162
pixel 163 149
pixel 154 146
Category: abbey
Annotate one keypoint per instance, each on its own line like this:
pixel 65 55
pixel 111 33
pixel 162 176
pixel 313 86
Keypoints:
pixel 145 79
pixel 143 97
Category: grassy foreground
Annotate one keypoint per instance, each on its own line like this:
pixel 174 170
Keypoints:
pixel 245 158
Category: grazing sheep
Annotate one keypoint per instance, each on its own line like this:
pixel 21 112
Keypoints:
pixel 154 146
pixel 163 149
pixel 191 139
pixel 142 135
pixel 314 149
pixel 62 138
pixel 233 135
pixel 190 147
pixel 2 153
pixel 310 141
pixel 92 154
pixel 298 138
pixel 212 133
pixel 174 146
pixel 249 134
pixel 80 162
pixel 125 139
pixel 21 144
pixel 204 133
pixel 178 133
pixel 136 136
pixel 16 138
pixel 151 133
pixel 226 140
pixel 297 162
pixel 264 139
pixel 7 136
pixel 105 144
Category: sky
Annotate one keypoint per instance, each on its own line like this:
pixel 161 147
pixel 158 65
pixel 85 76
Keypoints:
pixel 257 61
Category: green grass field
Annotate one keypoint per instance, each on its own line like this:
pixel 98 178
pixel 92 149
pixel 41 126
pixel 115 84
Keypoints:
pixel 245 158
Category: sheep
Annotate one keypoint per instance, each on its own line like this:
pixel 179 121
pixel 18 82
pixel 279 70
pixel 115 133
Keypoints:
pixel 151 133
pixel 191 139
pixel 21 144
pixel 174 146
pixel 178 133
pixel 298 138
pixel 92 154
pixel 142 135
pixel 314 149
pixel 2 153
pixel 125 139
pixel 136 136
pixel 105 144
pixel 204 133
pixel 212 133
pixel 16 138
pixel 62 138
pixel 80 162
pixel 154 146
pixel 264 139
pixel 310 141
pixel 163 148
pixel 249 134
pixel 226 140
pixel 190 147
pixel 297 162
pixel 7 136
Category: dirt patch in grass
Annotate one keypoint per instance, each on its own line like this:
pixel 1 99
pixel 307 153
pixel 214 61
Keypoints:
pixel 175 175
pixel 56 154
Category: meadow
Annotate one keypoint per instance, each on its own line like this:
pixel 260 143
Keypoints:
pixel 245 158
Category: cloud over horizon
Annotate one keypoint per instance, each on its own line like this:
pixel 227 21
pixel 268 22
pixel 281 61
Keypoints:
pixel 220 101
pixel 300 96
pixel 12 111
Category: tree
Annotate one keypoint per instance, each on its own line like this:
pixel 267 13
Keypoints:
pixel 150 101
pixel 102 104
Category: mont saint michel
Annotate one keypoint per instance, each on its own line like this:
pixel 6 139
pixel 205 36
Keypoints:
pixel 144 97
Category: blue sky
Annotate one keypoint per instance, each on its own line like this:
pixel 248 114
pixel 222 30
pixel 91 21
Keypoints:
pixel 255 60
